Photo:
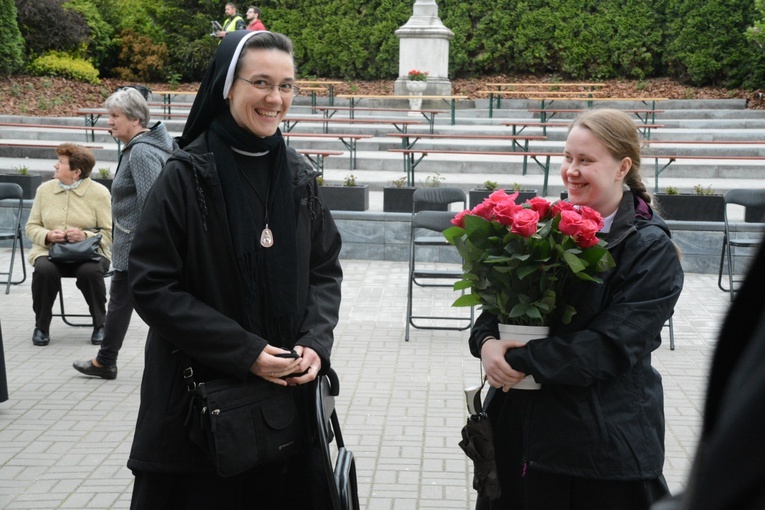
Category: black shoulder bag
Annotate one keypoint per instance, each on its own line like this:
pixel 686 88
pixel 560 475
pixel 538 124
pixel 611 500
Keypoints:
pixel 240 425
pixel 75 253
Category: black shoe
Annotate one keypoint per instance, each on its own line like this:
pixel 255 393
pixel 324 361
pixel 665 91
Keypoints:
pixel 98 335
pixel 41 338
pixel 88 368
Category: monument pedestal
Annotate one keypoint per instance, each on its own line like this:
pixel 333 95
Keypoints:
pixel 424 45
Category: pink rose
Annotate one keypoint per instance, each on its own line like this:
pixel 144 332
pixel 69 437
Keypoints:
pixel 500 196
pixel 540 205
pixel 586 236
pixel 570 223
pixel 484 210
pixel 459 218
pixel 560 206
pixel 506 211
pixel 525 222
pixel 588 213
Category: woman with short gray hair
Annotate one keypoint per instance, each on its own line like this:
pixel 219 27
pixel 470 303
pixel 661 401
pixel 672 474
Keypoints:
pixel 145 151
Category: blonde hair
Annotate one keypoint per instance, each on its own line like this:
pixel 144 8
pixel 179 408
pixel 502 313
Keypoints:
pixel 616 131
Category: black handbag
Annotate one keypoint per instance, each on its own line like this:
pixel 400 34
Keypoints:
pixel 240 425
pixel 81 251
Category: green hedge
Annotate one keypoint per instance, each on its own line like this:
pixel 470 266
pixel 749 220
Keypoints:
pixel 61 64
pixel 11 43
pixel 701 42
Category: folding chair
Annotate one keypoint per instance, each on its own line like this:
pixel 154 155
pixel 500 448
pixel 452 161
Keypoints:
pixel 433 223
pixel 72 319
pixel 753 200
pixel 12 191
pixel 340 471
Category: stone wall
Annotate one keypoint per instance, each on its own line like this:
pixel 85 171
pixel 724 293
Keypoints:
pixel 385 236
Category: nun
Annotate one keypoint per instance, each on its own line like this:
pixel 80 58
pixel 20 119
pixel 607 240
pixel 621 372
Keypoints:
pixel 235 269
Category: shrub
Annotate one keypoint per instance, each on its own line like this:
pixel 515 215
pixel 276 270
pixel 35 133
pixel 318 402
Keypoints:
pixel 36 17
pixel 100 46
pixel 61 64
pixel 140 58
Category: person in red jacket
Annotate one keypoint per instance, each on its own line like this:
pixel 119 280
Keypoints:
pixel 253 17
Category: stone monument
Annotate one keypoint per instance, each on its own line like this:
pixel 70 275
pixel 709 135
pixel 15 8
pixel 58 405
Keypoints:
pixel 424 45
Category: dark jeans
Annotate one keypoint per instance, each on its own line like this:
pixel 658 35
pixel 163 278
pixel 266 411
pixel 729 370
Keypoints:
pixel 46 282
pixel 117 319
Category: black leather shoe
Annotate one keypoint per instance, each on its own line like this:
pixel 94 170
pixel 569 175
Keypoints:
pixel 88 368
pixel 41 338
pixel 98 336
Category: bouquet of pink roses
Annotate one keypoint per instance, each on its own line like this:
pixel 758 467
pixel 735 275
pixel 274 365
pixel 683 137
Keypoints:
pixel 517 258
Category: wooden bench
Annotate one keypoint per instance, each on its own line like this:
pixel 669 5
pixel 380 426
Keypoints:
pixel 355 99
pixel 429 114
pixel 169 95
pixel 318 163
pixel 524 124
pixel 672 159
pixel 330 87
pixel 43 145
pixel 313 91
pixel 409 163
pixel 167 107
pixel 500 89
pixel 645 115
pixel 87 129
pixel 408 153
pixel 92 115
pixel 289 123
pixel 349 140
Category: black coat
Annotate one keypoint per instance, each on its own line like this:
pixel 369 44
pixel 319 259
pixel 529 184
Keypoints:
pixel 729 468
pixel 600 412
pixel 186 286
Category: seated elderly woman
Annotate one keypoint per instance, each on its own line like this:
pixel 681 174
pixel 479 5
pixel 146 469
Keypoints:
pixel 68 209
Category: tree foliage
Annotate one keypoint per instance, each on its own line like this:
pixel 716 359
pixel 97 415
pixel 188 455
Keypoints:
pixel 701 42
pixel 11 42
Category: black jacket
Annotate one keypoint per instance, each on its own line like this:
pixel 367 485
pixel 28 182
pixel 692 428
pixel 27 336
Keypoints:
pixel 187 288
pixel 600 412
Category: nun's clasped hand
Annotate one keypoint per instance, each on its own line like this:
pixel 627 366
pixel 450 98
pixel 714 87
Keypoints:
pixel 272 366
pixel 499 373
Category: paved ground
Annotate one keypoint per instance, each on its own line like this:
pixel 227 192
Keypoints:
pixel 64 438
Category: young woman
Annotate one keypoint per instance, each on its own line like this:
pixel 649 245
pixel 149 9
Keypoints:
pixel 234 262
pixel 593 435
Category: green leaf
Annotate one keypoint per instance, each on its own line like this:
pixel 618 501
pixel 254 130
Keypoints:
pixel 467 300
pixel 573 262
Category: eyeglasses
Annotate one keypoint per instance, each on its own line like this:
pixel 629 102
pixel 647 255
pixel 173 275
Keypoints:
pixel 285 89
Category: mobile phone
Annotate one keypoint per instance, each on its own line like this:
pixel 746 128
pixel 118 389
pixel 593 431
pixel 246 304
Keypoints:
pixel 291 354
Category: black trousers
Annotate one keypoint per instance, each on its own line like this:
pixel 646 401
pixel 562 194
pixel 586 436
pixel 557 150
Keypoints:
pixel 46 282
pixel 292 485
pixel 524 488
pixel 117 319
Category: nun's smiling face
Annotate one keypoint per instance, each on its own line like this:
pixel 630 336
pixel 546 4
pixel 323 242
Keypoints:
pixel 261 93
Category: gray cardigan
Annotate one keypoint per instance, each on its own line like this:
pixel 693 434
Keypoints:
pixel 141 161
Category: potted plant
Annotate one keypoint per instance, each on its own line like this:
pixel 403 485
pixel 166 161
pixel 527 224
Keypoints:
pixel 701 205
pixel 479 194
pixel 29 182
pixel 416 85
pixel 350 196
pixel 104 177
pixel 398 196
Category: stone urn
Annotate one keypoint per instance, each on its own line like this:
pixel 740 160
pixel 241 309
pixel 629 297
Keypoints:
pixel 416 88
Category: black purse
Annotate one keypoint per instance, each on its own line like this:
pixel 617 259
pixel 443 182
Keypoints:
pixel 81 251
pixel 239 425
